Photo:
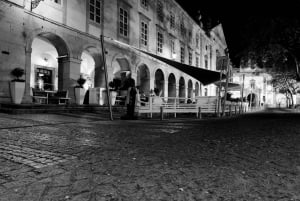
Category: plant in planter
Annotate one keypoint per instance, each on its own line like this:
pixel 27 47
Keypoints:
pixel 17 85
pixel 80 91
pixel 114 87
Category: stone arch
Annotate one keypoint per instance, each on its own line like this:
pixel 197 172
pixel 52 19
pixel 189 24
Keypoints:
pixel 197 89
pixel 49 58
pixel 190 89
pixel 182 90
pixel 171 87
pixel 143 79
pixel 92 66
pixel 159 82
pixel 120 67
pixel 252 99
pixel 58 41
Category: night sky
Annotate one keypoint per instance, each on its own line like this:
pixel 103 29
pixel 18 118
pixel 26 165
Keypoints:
pixel 234 15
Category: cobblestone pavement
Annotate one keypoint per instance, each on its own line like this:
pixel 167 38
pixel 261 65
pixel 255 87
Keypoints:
pixel 82 157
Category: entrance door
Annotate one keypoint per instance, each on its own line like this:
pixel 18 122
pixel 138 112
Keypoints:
pixel 44 80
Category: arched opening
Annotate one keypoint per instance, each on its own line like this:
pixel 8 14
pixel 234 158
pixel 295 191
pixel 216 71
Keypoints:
pixel 92 67
pixel 197 89
pixel 143 79
pixel 190 89
pixel 171 87
pixel 181 90
pixel 47 68
pixel 87 69
pixel 252 99
pixel 159 82
pixel 121 68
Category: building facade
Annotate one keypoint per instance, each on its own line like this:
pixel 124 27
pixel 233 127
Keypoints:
pixel 57 41
pixel 258 89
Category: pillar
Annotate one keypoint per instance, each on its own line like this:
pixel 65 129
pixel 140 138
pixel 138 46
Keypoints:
pixel 152 82
pixel 68 73
pixel 166 90
pixel 27 94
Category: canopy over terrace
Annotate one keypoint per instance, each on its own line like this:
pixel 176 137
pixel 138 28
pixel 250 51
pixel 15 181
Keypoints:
pixel 203 75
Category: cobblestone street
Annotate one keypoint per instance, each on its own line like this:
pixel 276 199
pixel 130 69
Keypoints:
pixel 83 157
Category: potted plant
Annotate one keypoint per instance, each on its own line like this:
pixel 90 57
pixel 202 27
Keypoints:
pixel 17 85
pixel 80 91
pixel 114 86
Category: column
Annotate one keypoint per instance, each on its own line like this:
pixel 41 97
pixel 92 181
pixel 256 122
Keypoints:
pixel 68 73
pixel 27 94
pixel 166 90
pixel 152 83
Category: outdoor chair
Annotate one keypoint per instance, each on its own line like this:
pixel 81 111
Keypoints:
pixel 60 97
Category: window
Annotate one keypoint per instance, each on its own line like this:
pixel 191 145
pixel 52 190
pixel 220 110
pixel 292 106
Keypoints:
pixel 197 61
pixel 206 61
pixel 160 12
pixel 95 11
pixel 205 92
pixel 160 41
pixel 190 36
pixel 190 57
pixel 145 4
pixel 182 54
pixel 123 22
pixel 172 20
pixel 172 41
pixel 182 29
pixel 197 40
pixel 144 33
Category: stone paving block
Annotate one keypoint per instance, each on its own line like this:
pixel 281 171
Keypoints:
pixel 62 179
pixel 81 197
pixel 34 192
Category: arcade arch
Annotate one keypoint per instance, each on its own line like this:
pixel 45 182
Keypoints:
pixel 190 89
pixel 182 90
pixel 197 89
pixel 47 66
pixel 159 81
pixel 143 79
pixel 171 87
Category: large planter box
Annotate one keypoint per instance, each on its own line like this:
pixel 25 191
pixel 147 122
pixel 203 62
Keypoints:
pixel 113 96
pixel 17 91
pixel 79 95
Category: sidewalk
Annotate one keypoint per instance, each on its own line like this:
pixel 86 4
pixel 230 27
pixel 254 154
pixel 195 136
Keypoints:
pixel 82 157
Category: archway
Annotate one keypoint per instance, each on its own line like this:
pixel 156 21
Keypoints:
pixel 190 89
pixel 197 89
pixel 47 67
pixel 171 87
pixel 181 90
pixel 252 99
pixel 87 69
pixel 143 79
pixel 121 68
pixel 92 67
pixel 159 81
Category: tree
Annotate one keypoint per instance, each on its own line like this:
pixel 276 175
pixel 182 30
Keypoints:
pixel 286 83
pixel 272 41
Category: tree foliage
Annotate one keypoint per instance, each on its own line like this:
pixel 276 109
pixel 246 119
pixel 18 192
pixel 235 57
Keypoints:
pixel 273 42
pixel 286 83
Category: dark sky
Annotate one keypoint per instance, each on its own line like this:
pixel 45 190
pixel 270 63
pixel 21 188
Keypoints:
pixel 234 14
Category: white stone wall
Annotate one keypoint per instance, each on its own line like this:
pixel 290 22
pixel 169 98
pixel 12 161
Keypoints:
pixel 67 27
